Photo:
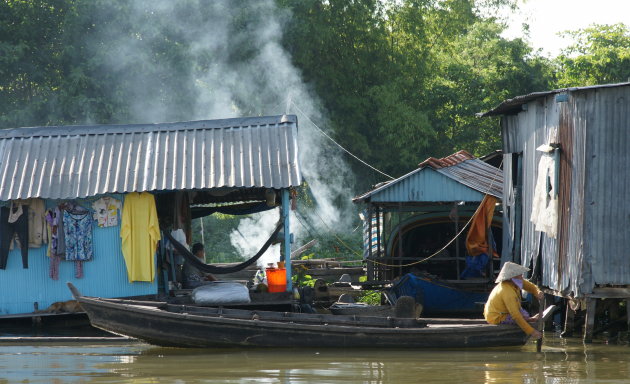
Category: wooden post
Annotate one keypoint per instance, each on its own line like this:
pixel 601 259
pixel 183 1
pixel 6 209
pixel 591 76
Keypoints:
pixel 569 325
pixel 589 323
pixel 541 323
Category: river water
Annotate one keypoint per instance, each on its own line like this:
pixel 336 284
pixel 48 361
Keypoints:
pixel 561 361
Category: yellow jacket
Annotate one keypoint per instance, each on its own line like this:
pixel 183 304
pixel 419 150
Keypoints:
pixel 505 299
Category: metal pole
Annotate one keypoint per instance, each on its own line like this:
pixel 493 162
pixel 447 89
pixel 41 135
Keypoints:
pixel 457 240
pixel 286 203
pixel 203 241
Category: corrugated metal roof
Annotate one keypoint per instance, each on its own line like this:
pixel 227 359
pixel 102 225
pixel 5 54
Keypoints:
pixel 460 167
pixel 78 161
pixel 514 105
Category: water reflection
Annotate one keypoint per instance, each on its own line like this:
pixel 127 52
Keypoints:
pixel 562 361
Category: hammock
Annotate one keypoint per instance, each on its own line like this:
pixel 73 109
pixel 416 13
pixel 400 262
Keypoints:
pixel 200 265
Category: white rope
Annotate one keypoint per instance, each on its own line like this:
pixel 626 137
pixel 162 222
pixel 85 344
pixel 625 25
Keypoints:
pixel 339 145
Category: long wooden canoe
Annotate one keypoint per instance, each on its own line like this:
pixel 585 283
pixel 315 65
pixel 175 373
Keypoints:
pixel 166 324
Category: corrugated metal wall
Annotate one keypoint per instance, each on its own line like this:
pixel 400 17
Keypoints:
pixel 104 276
pixel 593 128
pixel 427 185
pixel 606 116
pixel 71 162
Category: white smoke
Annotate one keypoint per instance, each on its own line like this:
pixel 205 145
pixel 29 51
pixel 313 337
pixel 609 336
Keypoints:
pixel 222 82
pixel 252 233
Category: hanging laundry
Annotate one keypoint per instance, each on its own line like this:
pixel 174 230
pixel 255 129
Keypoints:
pixel 77 225
pixel 13 221
pixel 140 233
pixel 56 244
pixel 37 228
pixel 106 211
pixel 78 235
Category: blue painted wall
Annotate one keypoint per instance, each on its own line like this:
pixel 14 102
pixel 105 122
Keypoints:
pixel 104 276
pixel 427 185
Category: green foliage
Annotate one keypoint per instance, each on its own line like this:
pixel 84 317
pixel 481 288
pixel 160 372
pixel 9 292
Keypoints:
pixel 370 297
pixel 217 229
pixel 600 55
pixel 301 278
pixel 402 80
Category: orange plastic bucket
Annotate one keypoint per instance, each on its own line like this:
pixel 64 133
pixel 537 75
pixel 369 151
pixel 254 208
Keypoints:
pixel 276 279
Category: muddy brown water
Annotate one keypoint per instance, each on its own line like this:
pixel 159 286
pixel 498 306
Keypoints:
pixel 561 361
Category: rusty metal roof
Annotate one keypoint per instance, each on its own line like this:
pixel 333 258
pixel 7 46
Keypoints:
pixel 65 162
pixel 447 161
pixel 462 168
pixel 515 104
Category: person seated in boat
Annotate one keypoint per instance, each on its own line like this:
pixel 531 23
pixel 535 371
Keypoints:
pixel 193 277
pixel 504 304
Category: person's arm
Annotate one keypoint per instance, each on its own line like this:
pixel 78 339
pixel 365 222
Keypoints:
pixel 513 305
pixel 532 288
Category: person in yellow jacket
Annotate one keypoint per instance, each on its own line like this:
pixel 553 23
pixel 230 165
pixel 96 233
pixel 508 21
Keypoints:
pixel 504 304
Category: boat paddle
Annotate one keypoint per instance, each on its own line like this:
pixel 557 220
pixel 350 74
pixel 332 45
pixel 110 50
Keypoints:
pixel 541 323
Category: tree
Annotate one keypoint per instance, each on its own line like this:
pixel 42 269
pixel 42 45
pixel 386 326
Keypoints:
pixel 599 55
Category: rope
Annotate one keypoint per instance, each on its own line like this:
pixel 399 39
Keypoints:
pixel 339 145
pixel 447 244
pixel 298 215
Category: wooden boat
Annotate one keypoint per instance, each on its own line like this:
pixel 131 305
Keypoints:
pixel 178 325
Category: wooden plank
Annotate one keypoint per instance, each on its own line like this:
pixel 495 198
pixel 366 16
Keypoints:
pixel 609 293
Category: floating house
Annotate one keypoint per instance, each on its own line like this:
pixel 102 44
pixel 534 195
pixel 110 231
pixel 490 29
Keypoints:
pixel 410 224
pixel 566 211
pixel 181 170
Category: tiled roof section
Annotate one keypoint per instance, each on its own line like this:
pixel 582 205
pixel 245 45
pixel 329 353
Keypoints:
pixel 447 161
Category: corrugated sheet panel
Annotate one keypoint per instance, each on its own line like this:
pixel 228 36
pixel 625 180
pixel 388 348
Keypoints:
pixel 104 276
pixel 514 105
pixel 592 128
pixel 477 175
pixel 74 162
pixel 427 186
pixel 605 116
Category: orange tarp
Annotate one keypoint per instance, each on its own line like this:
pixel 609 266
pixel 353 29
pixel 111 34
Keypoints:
pixel 477 238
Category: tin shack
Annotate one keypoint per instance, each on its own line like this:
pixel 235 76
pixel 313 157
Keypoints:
pixel 91 204
pixel 566 211
pixel 418 223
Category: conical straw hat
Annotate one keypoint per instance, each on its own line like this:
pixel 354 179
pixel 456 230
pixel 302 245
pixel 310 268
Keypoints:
pixel 510 270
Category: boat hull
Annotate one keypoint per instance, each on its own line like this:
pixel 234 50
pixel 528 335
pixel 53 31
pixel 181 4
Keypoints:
pixel 160 327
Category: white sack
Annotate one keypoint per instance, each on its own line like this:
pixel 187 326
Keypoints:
pixel 221 293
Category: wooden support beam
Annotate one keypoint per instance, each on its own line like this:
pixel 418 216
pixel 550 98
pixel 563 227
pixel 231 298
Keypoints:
pixel 589 324
pixel 569 324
